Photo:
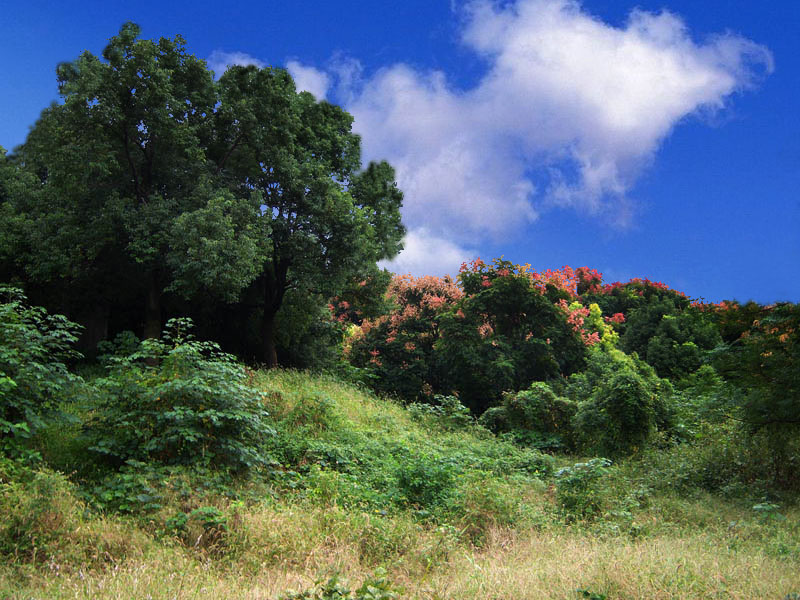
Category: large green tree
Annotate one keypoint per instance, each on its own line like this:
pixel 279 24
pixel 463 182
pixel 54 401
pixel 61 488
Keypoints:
pixel 126 193
pixel 152 181
pixel 327 220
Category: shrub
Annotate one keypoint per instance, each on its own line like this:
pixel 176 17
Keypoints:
pixel 579 488
pixel 483 502
pixel 535 417
pixel 427 481
pixel 38 509
pixel 763 365
pixel 205 527
pixel 33 377
pixel 123 344
pixel 179 401
pixel 373 588
pixel 619 418
pixel 446 411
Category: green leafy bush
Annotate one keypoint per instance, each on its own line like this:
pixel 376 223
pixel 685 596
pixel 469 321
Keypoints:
pixel 38 508
pixel 34 347
pixel 179 401
pixel 446 411
pixel 123 344
pixel 427 481
pixel 619 418
pixel 205 527
pixel 763 365
pixel 579 488
pixel 535 417
pixel 377 587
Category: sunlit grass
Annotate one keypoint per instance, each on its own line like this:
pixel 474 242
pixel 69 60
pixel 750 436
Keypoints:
pixel 500 536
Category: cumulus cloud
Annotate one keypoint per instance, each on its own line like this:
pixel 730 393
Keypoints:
pixel 219 61
pixel 569 112
pixel 309 79
pixel 427 254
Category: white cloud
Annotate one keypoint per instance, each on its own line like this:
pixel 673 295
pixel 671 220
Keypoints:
pixel 569 112
pixel 426 254
pixel 219 61
pixel 309 79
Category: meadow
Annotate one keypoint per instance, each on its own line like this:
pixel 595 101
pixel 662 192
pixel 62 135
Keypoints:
pixel 417 503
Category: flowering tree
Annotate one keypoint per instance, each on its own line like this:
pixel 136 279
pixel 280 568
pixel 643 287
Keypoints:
pixel 399 347
pixel 506 332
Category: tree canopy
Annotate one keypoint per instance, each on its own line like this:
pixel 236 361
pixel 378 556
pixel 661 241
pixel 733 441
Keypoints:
pixel 153 181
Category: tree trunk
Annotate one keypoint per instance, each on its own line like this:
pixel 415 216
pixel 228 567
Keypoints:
pixel 152 311
pixel 274 289
pixel 268 350
pixel 95 327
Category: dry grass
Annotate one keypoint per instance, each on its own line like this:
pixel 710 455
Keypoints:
pixel 510 565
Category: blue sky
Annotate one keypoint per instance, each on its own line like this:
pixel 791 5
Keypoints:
pixel 650 139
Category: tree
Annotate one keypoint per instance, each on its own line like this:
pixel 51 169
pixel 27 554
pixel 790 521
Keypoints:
pixel 505 334
pixel 151 181
pixel 764 366
pixel 123 170
pixel 327 222
pixel 398 348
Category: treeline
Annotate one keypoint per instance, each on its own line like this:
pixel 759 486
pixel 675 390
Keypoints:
pixel 153 190
pixel 561 361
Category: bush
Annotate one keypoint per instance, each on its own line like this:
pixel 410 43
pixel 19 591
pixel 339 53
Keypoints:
pixel 619 418
pixel 447 412
pixel 426 481
pixel 535 417
pixel 179 401
pixel 374 588
pixel 579 488
pixel 33 377
pixel 483 502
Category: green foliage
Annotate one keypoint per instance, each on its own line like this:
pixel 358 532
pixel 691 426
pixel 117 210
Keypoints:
pixel 327 222
pixel 376 587
pixel 764 364
pixel 621 403
pixel 45 524
pixel 205 527
pixel 179 401
pixel 307 337
pixel 163 191
pixel 681 343
pixel 123 344
pixel 619 418
pixel 134 488
pixel 427 481
pixel 535 417
pixel 37 509
pixel 483 502
pixel 503 335
pixel 580 489
pixel 394 460
pixel 33 376
pixel 446 411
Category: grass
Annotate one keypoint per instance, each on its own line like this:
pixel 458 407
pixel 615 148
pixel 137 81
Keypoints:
pixel 364 484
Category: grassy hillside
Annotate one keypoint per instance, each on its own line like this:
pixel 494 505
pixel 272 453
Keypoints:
pixel 364 489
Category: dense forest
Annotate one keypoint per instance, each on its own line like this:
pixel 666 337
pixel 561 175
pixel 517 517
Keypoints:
pixel 202 366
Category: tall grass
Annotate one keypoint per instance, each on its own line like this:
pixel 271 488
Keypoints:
pixel 365 484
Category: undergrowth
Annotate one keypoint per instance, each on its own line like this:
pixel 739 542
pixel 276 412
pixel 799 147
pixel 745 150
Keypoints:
pixel 352 484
